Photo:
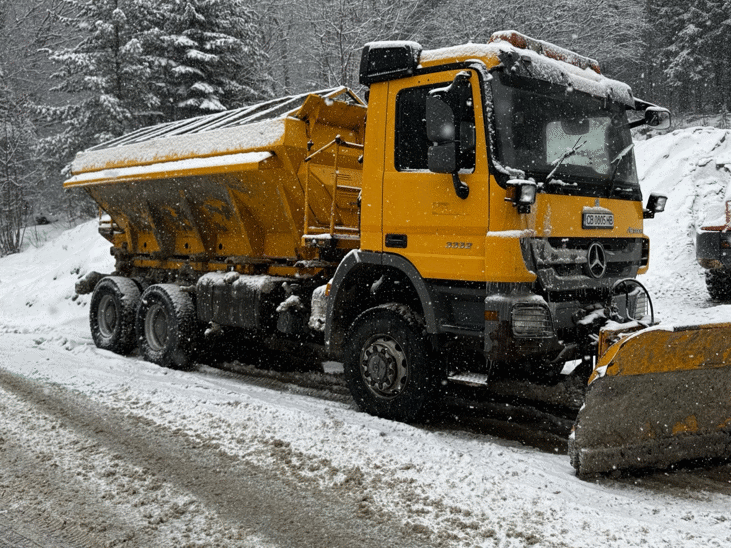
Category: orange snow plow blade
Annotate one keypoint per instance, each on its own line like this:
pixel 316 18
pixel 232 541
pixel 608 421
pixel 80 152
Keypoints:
pixel 657 397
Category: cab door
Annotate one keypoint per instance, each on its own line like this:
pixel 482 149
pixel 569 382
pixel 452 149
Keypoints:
pixel 424 219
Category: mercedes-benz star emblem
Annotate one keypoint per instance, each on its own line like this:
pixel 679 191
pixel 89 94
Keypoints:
pixel 596 260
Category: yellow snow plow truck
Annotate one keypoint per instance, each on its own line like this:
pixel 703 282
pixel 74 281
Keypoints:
pixel 486 220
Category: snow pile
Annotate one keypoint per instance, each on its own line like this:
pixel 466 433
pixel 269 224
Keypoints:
pixel 693 168
pixel 37 286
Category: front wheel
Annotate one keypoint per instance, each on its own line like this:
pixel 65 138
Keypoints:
pixel 167 327
pixel 387 364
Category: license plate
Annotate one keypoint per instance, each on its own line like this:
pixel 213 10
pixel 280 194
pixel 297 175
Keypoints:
pixel 598 220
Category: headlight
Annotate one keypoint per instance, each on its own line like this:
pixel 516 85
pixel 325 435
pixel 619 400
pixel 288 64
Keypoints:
pixel 640 305
pixel 522 194
pixel 532 321
pixel 527 194
pixel 725 240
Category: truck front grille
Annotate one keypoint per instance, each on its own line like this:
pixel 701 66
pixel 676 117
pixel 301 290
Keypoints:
pixel 561 263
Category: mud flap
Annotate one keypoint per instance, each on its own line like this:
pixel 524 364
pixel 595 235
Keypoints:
pixel 657 397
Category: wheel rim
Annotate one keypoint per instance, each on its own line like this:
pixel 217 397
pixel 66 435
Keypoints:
pixel 108 316
pixel 156 327
pixel 384 366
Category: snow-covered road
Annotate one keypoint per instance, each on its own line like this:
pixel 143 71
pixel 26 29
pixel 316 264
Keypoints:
pixel 189 442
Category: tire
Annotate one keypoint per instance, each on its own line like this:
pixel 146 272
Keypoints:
pixel 718 283
pixel 387 366
pixel 167 326
pixel 112 314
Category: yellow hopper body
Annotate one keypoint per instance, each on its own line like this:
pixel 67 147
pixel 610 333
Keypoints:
pixel 253 188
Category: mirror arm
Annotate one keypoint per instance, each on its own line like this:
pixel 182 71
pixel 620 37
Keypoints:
pixel 461 189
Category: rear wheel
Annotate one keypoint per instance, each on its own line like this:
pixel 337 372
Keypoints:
pixel 112 314
pixel 167 326
pixel 718 283
pixel 387 364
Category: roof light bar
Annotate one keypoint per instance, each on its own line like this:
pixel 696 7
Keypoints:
pixel 547 49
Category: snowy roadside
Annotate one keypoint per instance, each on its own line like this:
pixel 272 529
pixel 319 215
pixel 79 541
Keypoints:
pixel 448 488
pixel 454 489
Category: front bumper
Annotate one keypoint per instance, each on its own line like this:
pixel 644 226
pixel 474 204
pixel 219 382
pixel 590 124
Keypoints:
pixel 522 325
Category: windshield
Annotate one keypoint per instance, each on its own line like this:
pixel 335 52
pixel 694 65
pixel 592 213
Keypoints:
pixel 568 141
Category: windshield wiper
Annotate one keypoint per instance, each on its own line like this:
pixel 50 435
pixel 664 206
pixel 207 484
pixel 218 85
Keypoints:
pixel 569 152
pixel 617 161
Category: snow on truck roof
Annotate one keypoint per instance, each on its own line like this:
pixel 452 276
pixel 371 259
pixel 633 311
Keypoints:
pixel 248 129
pixel 546 62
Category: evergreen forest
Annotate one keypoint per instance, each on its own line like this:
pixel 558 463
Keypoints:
pixel 75 73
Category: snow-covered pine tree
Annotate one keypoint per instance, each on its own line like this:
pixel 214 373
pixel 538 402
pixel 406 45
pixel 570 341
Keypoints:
pixel 694 49
pixel 717 49
pixel 207 56
pixel 105 77
pixel 686 66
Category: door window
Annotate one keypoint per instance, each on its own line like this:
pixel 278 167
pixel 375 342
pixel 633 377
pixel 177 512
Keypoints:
pixel 412 144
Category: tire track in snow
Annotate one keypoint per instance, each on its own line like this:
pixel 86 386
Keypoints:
pixel 250 506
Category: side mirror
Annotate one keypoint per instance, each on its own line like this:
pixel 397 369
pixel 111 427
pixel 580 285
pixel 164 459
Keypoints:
pixel 443 158
pixel 657 117
pixel 441 129
pixel 655 204
pixel 652 115
pixel 440 123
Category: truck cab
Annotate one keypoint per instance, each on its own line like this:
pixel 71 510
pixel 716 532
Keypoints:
pixel 500 195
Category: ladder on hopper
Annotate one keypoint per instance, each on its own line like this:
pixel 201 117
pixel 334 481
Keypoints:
pixel 334 234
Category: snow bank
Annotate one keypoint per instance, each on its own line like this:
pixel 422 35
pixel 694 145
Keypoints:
pixel 693 168
pixel 37 286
